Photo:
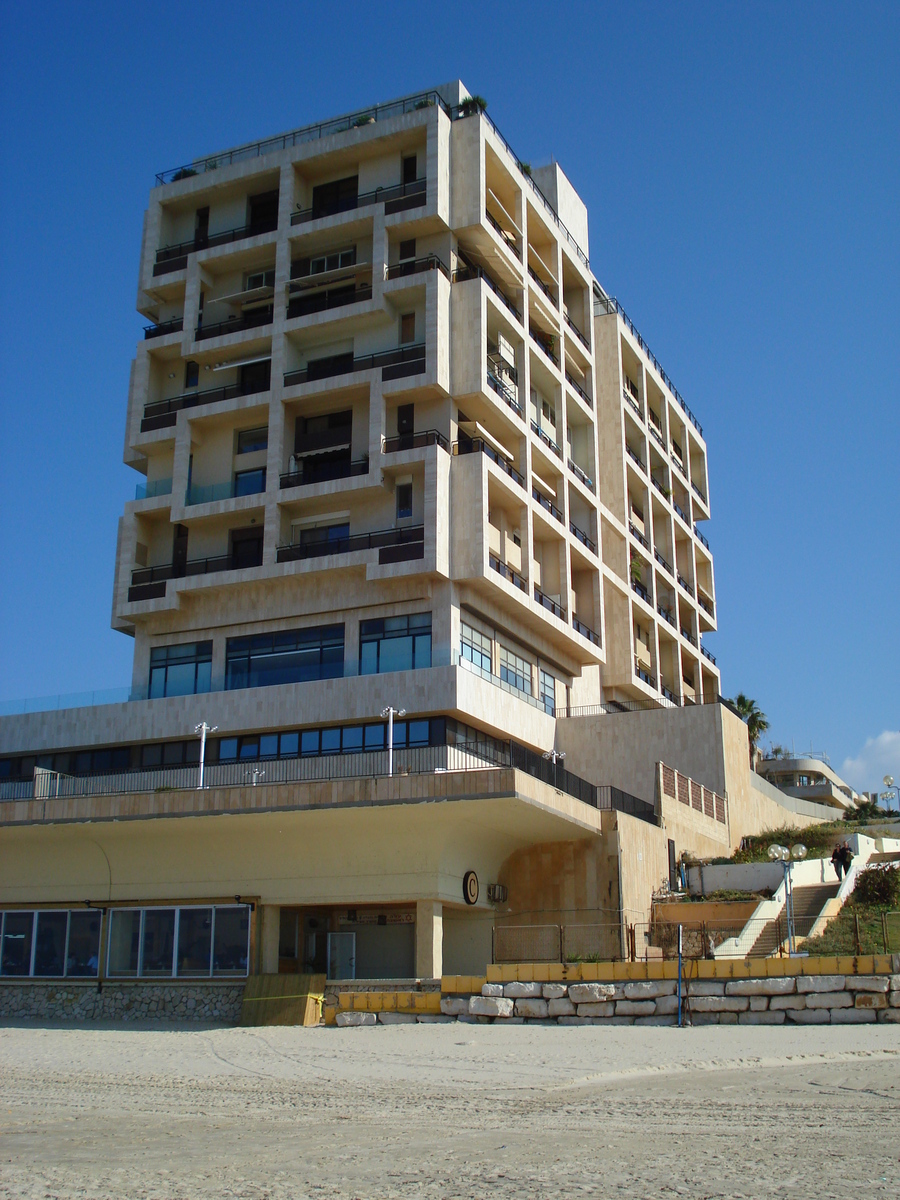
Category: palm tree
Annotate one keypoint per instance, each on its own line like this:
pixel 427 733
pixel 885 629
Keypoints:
pixel 755 719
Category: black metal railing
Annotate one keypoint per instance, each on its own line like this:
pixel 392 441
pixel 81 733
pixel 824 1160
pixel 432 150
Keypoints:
pixel 635 457
pixel 337 437
pixel 394 364
pixel 635 532
pixel 381 539
pixel 666 614
pixel 468 271
pixel 508 573
pixel 477 445
pixel 176 325
pixel 688 636
pixel 143 578
pixel 548 504
pixel 657 436
pixel 645 676
pixel 415 441
pixel 416 266
pixel 506 236
pixel 609 304
pixel 503 391
pixel 685 583
pixel 701 537
pixel 660 487
pixel 708 608
pixel 571 324
pixel 312 471
pixel 549 603
pixel 160 413
pixel 583 537
pixel 248 320
pixel 543 286
pixel 322 301
pixel 395 199
pixel 173 258
pixel 574 384
pixel 634 404
pixel 663 562
pixel 706 654
pixel 643 592
pixel 581 476
pixel 681 512
pixel 585 630
pixel 609 797
pixel 546 439
pixel 702 495
pixel 544 346
pixel 679 465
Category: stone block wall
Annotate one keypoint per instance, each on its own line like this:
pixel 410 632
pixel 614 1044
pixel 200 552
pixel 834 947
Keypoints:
pixel 82 1001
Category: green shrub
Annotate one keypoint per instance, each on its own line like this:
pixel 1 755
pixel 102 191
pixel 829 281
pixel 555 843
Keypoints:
pixel 878 885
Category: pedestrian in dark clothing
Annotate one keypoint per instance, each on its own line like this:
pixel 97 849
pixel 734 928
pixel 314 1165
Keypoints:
pixel 846 857
pixel 837 860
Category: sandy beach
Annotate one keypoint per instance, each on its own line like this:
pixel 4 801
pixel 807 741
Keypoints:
pixel 449 1111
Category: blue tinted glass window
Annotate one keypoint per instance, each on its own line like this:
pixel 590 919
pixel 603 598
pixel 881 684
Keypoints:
pixel 227 749
pixel 290 745
pixel 351 738
pixel 331 741
pixel 268 745
pixel 375 738
pixel 309 741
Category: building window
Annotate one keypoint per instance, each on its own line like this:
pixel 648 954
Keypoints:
pixel 259 279
pixel 251 440
pixel 336 260
pixel 475 647
pixel 404 500
pixel 548 693
pixel 515 670
pixel 54 943
pixel 294 656
pixel 180 670
pixel 250 483
pixel 407 249
pixel 409 169
pixel 194 942
pixel 191 374
pixel 395 644
pixel 407 328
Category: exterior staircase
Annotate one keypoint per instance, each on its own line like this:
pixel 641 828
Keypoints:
pixel 808 904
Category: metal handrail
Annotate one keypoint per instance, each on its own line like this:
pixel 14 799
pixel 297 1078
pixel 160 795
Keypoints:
pixel 504 392
pixel 685 584
pixel 291 552
pixel 323 472
pixel 585 630
pixel 634 404
pixel 699 493
pixel 701 537
pixel 548 504
pixel 635 532
pixel 248 320
pixel 579 389
pixel 508 573
pixel 666 614
pixel 403 355
pixel 469 271
pixel 416 266
pixel 546 439
pixel 537 279
pixel 643 592
pixel 580 475
pixel 321 301
pixel 707 654
pixel 176 325
pixel 415 441
pixel 708 608
pixel 158 408
pixel 571 324
pixel 205 241
pixel 550 604
pixel 637 458
pixel 540 345
pixel 478 444
pixel 381 195
pixel 503 235
pixel 663 562
pixel 583 537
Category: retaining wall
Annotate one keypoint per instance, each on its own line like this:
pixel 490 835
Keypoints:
pixel 77 1001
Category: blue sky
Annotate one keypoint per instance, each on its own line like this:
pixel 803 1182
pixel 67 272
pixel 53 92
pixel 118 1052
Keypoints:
pixel 741 169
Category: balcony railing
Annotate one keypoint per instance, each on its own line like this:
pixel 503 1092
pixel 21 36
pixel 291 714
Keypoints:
pixel 504 235
pixel 707 654
pixel 152 488
pixel 543 286
pixel 645 676
pixel 571 324
pixel 316 302
pixel 143 578
pixel 477 445
pixel 313 471
pixel 681 512
pixel 395 199
pixel 161 413
pixel 707 607
pixel 176 325
pixel 543 346
pixel 668 693
pixel 581 476
pixel 546 439
pixel 468 271
pixel 663 562
pixel 657 436
pixel 394 364
pixel 666 614
pixel 548 504
pixel 549 603
pixel 573 383
pixel 250 484
pixel 583 537
pixel 629 399
pixel 609 304
pixel 508 573
pixel 635 532
pixel 411 537
pixel 335 438
pixel 635 457
pixel 701 537
pixel 250 320
pixel 174 258
pixel 702 495
pixel 660 487
pixel 679 466
pixel 415 441
pixel 503 390
pixel 643 592
pixel 416 266
pixel 686 584
pixel 585 630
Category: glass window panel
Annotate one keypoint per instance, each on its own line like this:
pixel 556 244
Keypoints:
pixel 15 953
pixel 192 751
pixel 368 658
pixel 331 741
pixel 375 737
pixel 102 761
pixel 399 733
pixel 351 739
pixel 396 654
pixel 204 677
pixel 173 754
pixel 124 940
pixel 180 679
pixel 396 625
pixel 422 651
pixel 227 749
pixel 50 943
pixel 309 741
pixel 83 763
pixel 158 942
pixel 290 744
pixel 268 745
pixel 419 733
pixel 157 682
pixel 420 621
pixel 231 940
pixel 83 953
pixel 249 748
pixel 194 941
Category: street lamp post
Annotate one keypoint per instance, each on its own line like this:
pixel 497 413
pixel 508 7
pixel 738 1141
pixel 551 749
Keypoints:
pixel 786 857
pixel 556 757
pixel 890 787
pixel 390 713
pixel 203 729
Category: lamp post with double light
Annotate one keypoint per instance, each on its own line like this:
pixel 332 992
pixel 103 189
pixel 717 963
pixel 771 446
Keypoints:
pixel 889 788
pixel 787 857
pixel 390 713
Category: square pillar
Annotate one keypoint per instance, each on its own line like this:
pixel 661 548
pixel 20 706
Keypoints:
pixel 429 939
pixel 271 932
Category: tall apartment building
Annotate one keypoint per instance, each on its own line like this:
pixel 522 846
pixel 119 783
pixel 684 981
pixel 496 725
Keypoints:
pixel 408 470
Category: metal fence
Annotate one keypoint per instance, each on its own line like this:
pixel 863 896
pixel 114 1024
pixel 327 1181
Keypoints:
pixel 557 943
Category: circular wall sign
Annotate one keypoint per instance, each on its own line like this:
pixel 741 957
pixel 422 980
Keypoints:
pixel 470 887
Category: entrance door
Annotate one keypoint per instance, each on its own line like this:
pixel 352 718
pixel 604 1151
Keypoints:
pixel 342 956
pixel 179 551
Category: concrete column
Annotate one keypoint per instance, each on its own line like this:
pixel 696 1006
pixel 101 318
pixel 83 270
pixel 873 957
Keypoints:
pixel 271 928
pixel 429 939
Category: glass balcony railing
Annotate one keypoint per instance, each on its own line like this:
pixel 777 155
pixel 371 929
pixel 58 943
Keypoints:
pixel 152 488
pixel 247 483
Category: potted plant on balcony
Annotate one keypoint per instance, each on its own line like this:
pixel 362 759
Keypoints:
pixel 637 569
pixel 472 105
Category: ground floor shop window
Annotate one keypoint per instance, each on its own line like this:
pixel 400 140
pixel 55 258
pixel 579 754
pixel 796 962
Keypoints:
pixel 195 942
pixel 50 943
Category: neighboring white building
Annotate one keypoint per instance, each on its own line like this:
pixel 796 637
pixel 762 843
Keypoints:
pixel 808 777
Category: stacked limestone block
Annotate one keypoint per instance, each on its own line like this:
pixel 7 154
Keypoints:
pixel 35 1001
pixel 802 1000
